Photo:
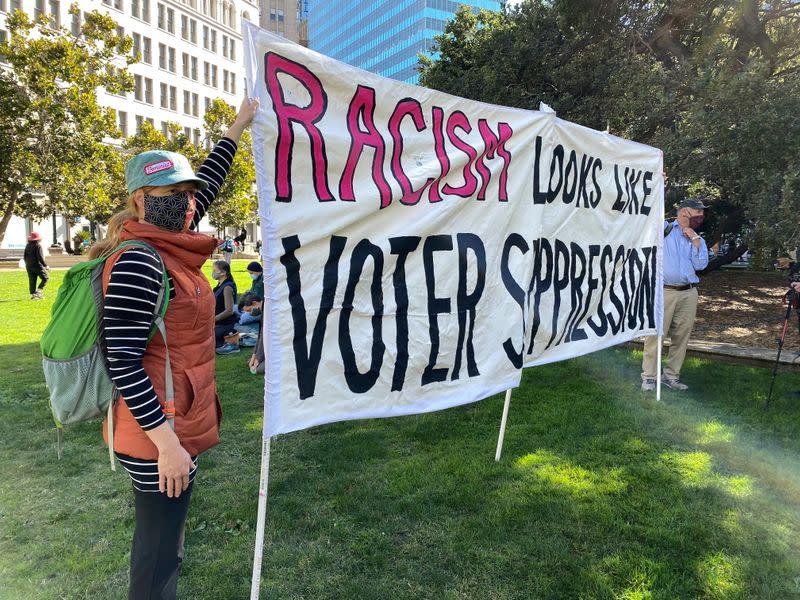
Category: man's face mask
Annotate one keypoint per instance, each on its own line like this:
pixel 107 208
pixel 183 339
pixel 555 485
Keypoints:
pixel 168 212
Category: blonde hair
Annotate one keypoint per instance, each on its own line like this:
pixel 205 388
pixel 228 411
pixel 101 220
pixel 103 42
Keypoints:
pixel 115 225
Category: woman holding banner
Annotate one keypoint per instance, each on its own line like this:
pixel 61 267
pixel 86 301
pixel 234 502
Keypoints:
pixel 158 441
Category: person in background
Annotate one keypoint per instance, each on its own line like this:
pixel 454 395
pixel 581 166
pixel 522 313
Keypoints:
pixel 158 441
pixel 248 323
pixel 227 248
pixel 36 266
pixel 685 252
pixel 251 304
pixel 225 316
pixel 256 272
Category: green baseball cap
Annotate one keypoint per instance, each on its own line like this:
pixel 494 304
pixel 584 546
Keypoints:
pixel 159 167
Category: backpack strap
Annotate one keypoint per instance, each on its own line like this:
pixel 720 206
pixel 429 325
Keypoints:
pixel 162 302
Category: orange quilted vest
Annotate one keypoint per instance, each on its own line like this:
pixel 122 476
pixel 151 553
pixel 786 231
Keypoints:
pixel 190 332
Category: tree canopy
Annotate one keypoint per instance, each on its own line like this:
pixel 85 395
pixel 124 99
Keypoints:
pixel 52 128
pixel 715 85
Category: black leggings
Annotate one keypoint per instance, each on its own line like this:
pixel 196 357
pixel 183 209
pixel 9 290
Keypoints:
pixel 33 276
pixel 157 550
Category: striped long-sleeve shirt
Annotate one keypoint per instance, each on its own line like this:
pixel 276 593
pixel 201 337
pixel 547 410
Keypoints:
pixel 130 303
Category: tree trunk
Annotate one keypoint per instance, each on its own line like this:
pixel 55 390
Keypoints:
pixel 9 212
pixel 719 261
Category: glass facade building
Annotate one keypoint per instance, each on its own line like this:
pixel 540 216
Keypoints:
pixel 382 36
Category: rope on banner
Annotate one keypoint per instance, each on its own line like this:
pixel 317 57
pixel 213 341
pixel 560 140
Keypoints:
pixel 503 426
pixel 255 584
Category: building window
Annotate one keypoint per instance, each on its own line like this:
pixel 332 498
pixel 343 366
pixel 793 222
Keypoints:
pixel 137 46
pixel 118 4
pixel 170 20
pixel 121 36
pixel 146 11
pixel 55 13
pixel 173 98
pixel 139 121
pixel 213 40
pixel 224 45
pixel 213 75
pixel 162 16
pixel 207 103
pixel 273 14
pixel 172 68
pixel 194 68
pixel 232 50
pixel 195 105
pixel 122 122
pixel 151 121
pixel 3 40
pixel 148 50
pixel 164 95
pixel 233 83
pixel 76 24
pixel 196 137
pixel 3 6
pixel 138 88
pixel 205 37
pixel 148 90
pixel 187 102
pixel 185 27
pixel 206 73
pixel 187 131
pixel 193 31
pixel 162 56
pixel 185 64
pixel 165 129
pixel 38 9
pixel 136 9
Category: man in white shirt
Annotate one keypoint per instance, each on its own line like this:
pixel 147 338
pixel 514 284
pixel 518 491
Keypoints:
pixel 685 252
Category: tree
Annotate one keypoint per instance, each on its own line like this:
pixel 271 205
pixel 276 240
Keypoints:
pixel 52 127
pixel 237 203
pixel 714 84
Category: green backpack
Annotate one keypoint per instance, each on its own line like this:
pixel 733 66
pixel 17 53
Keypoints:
pixel 73 348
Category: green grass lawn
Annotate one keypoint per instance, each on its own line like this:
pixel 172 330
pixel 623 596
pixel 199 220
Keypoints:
pixel 601 492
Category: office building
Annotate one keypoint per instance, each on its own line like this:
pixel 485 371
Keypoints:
pixel 382 36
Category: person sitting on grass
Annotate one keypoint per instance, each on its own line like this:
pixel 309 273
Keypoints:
pixel 225 316
pixel 248 323
pixel 251 304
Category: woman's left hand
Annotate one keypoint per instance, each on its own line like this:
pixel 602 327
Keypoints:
pixel 244 117
pixel 247 111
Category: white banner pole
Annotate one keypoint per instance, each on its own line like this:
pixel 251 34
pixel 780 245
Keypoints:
pixel 658 369
pixel 255 584
pixel 503 426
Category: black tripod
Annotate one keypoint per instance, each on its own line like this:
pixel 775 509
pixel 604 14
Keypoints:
pixel 791 302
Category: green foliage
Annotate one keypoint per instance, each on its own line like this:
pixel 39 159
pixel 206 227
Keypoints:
pixel 52 127
pixel 237 202
pixel 715 84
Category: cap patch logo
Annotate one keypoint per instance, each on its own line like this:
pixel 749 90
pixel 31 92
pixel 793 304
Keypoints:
pixel 156 167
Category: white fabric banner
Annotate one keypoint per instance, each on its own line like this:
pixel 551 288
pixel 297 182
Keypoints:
pixel 420 249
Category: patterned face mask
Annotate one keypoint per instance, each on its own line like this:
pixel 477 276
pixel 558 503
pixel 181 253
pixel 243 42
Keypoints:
pixel 167 212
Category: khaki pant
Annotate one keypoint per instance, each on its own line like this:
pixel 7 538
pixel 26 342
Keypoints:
pixel 680 308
